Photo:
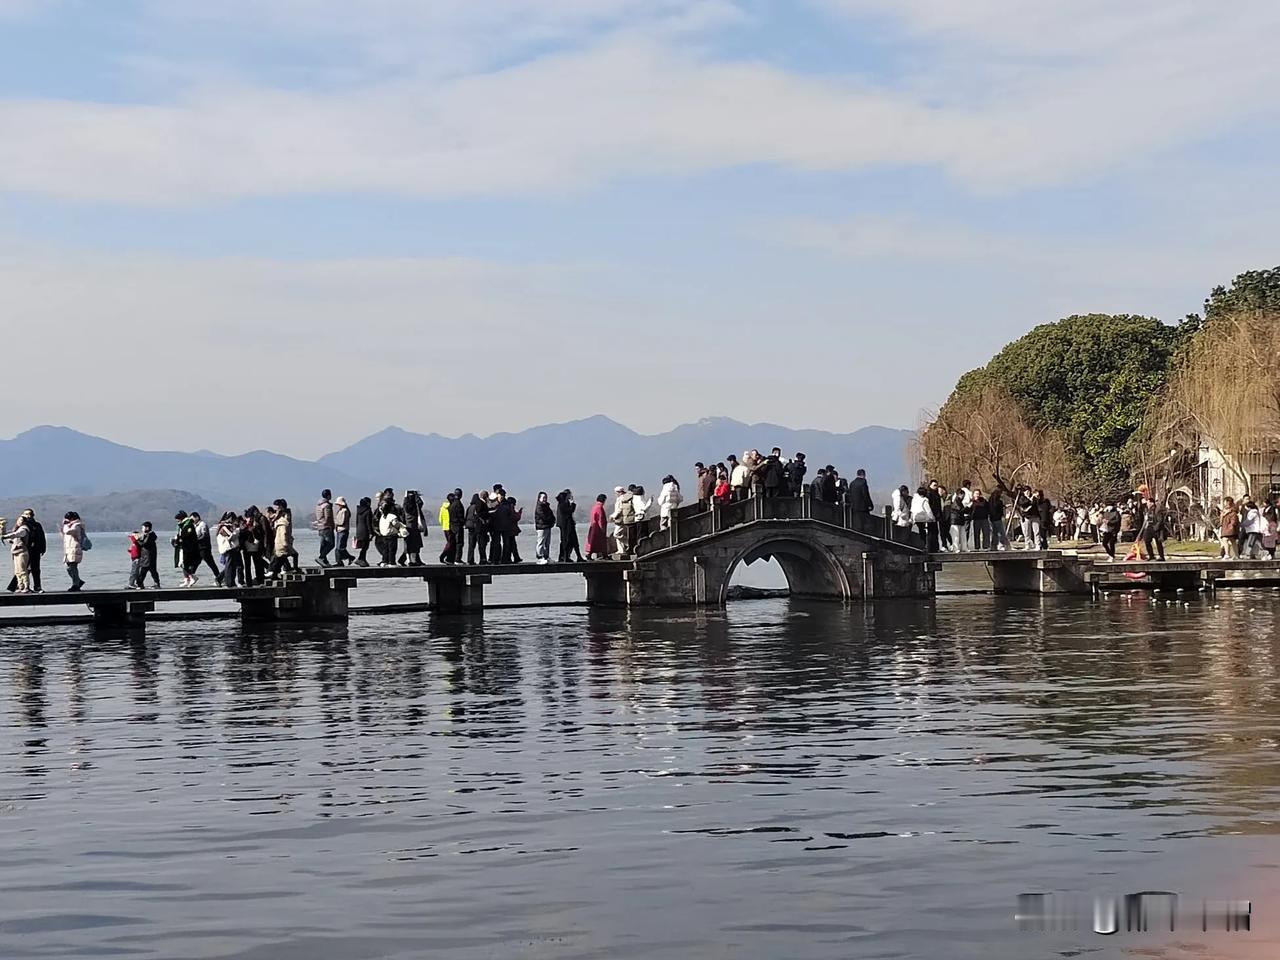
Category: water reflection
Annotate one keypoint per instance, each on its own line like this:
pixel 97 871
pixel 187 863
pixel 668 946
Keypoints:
pixel 776 779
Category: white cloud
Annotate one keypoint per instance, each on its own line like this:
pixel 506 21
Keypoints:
pixel 1134 268
pixel 1059 93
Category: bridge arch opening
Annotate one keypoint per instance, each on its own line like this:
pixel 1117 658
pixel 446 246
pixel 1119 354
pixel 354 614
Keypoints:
pixel 809 569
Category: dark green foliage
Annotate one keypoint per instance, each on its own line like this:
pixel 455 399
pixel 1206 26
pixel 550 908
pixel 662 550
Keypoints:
pixel 1251 290
pixel 1088 378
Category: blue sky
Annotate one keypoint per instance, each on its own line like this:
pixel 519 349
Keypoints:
pixel 478 216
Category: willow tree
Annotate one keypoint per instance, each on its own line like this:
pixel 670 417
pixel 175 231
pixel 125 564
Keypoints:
pixel 1224 388
pixel 981 434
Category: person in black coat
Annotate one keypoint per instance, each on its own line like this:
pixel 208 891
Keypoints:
pixel 860 494
pixel 458 521
pixel 567 524
pixel 1045 507
pixel 544 521
pixel 796 470
pixel 149 544
pixel 830 491
pixel 477 524
pixel 995 513
pixel 502 531
pixel 364 530
pixel 773 474
pixel 415 523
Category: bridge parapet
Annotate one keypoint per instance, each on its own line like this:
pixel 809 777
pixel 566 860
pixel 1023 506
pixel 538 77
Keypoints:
pixel 692 523
pixel 820 560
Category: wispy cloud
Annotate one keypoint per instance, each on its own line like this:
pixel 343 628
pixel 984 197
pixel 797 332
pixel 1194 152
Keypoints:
pixel 590 91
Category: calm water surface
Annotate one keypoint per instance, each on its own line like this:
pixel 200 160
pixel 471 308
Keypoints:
pixel 779 780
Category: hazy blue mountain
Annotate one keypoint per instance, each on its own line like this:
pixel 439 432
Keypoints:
pixel 596 454
pixel 591 456
pixel 60 459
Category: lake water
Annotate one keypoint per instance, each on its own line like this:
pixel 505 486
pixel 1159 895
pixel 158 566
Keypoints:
pixel 775 780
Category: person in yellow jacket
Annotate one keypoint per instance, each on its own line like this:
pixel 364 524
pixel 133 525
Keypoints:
pixel 450 552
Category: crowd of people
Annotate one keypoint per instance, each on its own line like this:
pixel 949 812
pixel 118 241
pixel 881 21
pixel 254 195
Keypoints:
pixel 969 519
pixel 257 546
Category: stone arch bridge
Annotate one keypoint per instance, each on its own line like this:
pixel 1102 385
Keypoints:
pixel 825 551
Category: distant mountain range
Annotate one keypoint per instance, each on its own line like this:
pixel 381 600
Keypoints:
pixel 112 511
pixel 590 456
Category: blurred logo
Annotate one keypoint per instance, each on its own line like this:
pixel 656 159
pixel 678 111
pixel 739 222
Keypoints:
pixel 1147 911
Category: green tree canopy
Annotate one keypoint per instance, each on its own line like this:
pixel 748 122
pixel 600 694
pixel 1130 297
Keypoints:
pixel 1251 290
pixel 1089 379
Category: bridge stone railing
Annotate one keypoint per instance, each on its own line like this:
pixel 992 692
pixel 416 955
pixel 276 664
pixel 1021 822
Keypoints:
pixel 691 522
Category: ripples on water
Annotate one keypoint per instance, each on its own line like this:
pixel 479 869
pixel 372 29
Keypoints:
pixel 780 780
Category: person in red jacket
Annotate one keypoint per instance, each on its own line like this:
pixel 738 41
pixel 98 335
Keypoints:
pixel 135 562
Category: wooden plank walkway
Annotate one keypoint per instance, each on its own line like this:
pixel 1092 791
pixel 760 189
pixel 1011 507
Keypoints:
pixel 54 598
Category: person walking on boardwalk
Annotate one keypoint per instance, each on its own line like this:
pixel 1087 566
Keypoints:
pixel 188 545
pixel 74 544
pixel 256 540
pixel 477 524
pixel 959 519
pixel 723 492
pixel 365 526
pixel 995 514
pixel 1251 523
pixel 772 474
pixel 979 520
pixel 544 521
pixel 669 500
pixel 282 506
pixel 1110 530
pixel 796 470
pixel 228 537
pixel 624 516
pixel 414 520
pixel 341 531
pixel 451 534
pixel 36 545
pixel 279 521
pixel 925 520
pixel 901 506
pixel 567 524
pixel 1153 528
pixel 389 529
pixel 597 530
pixel 19 540
pixel 150 551
pixel 642 503
pixel 1229 530
pixel 1045 519
pixel 458 523
pixel 705 484
pixel 1028 513
pixel 512 550
pixel 860 503
pixel 204 542
pixel 136 571
pixel 324 525
pixel 739 477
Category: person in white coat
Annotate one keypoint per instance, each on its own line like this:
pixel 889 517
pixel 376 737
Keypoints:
pixel 73 540
pixel 902 506
pixel 669 499
pixel 922 517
